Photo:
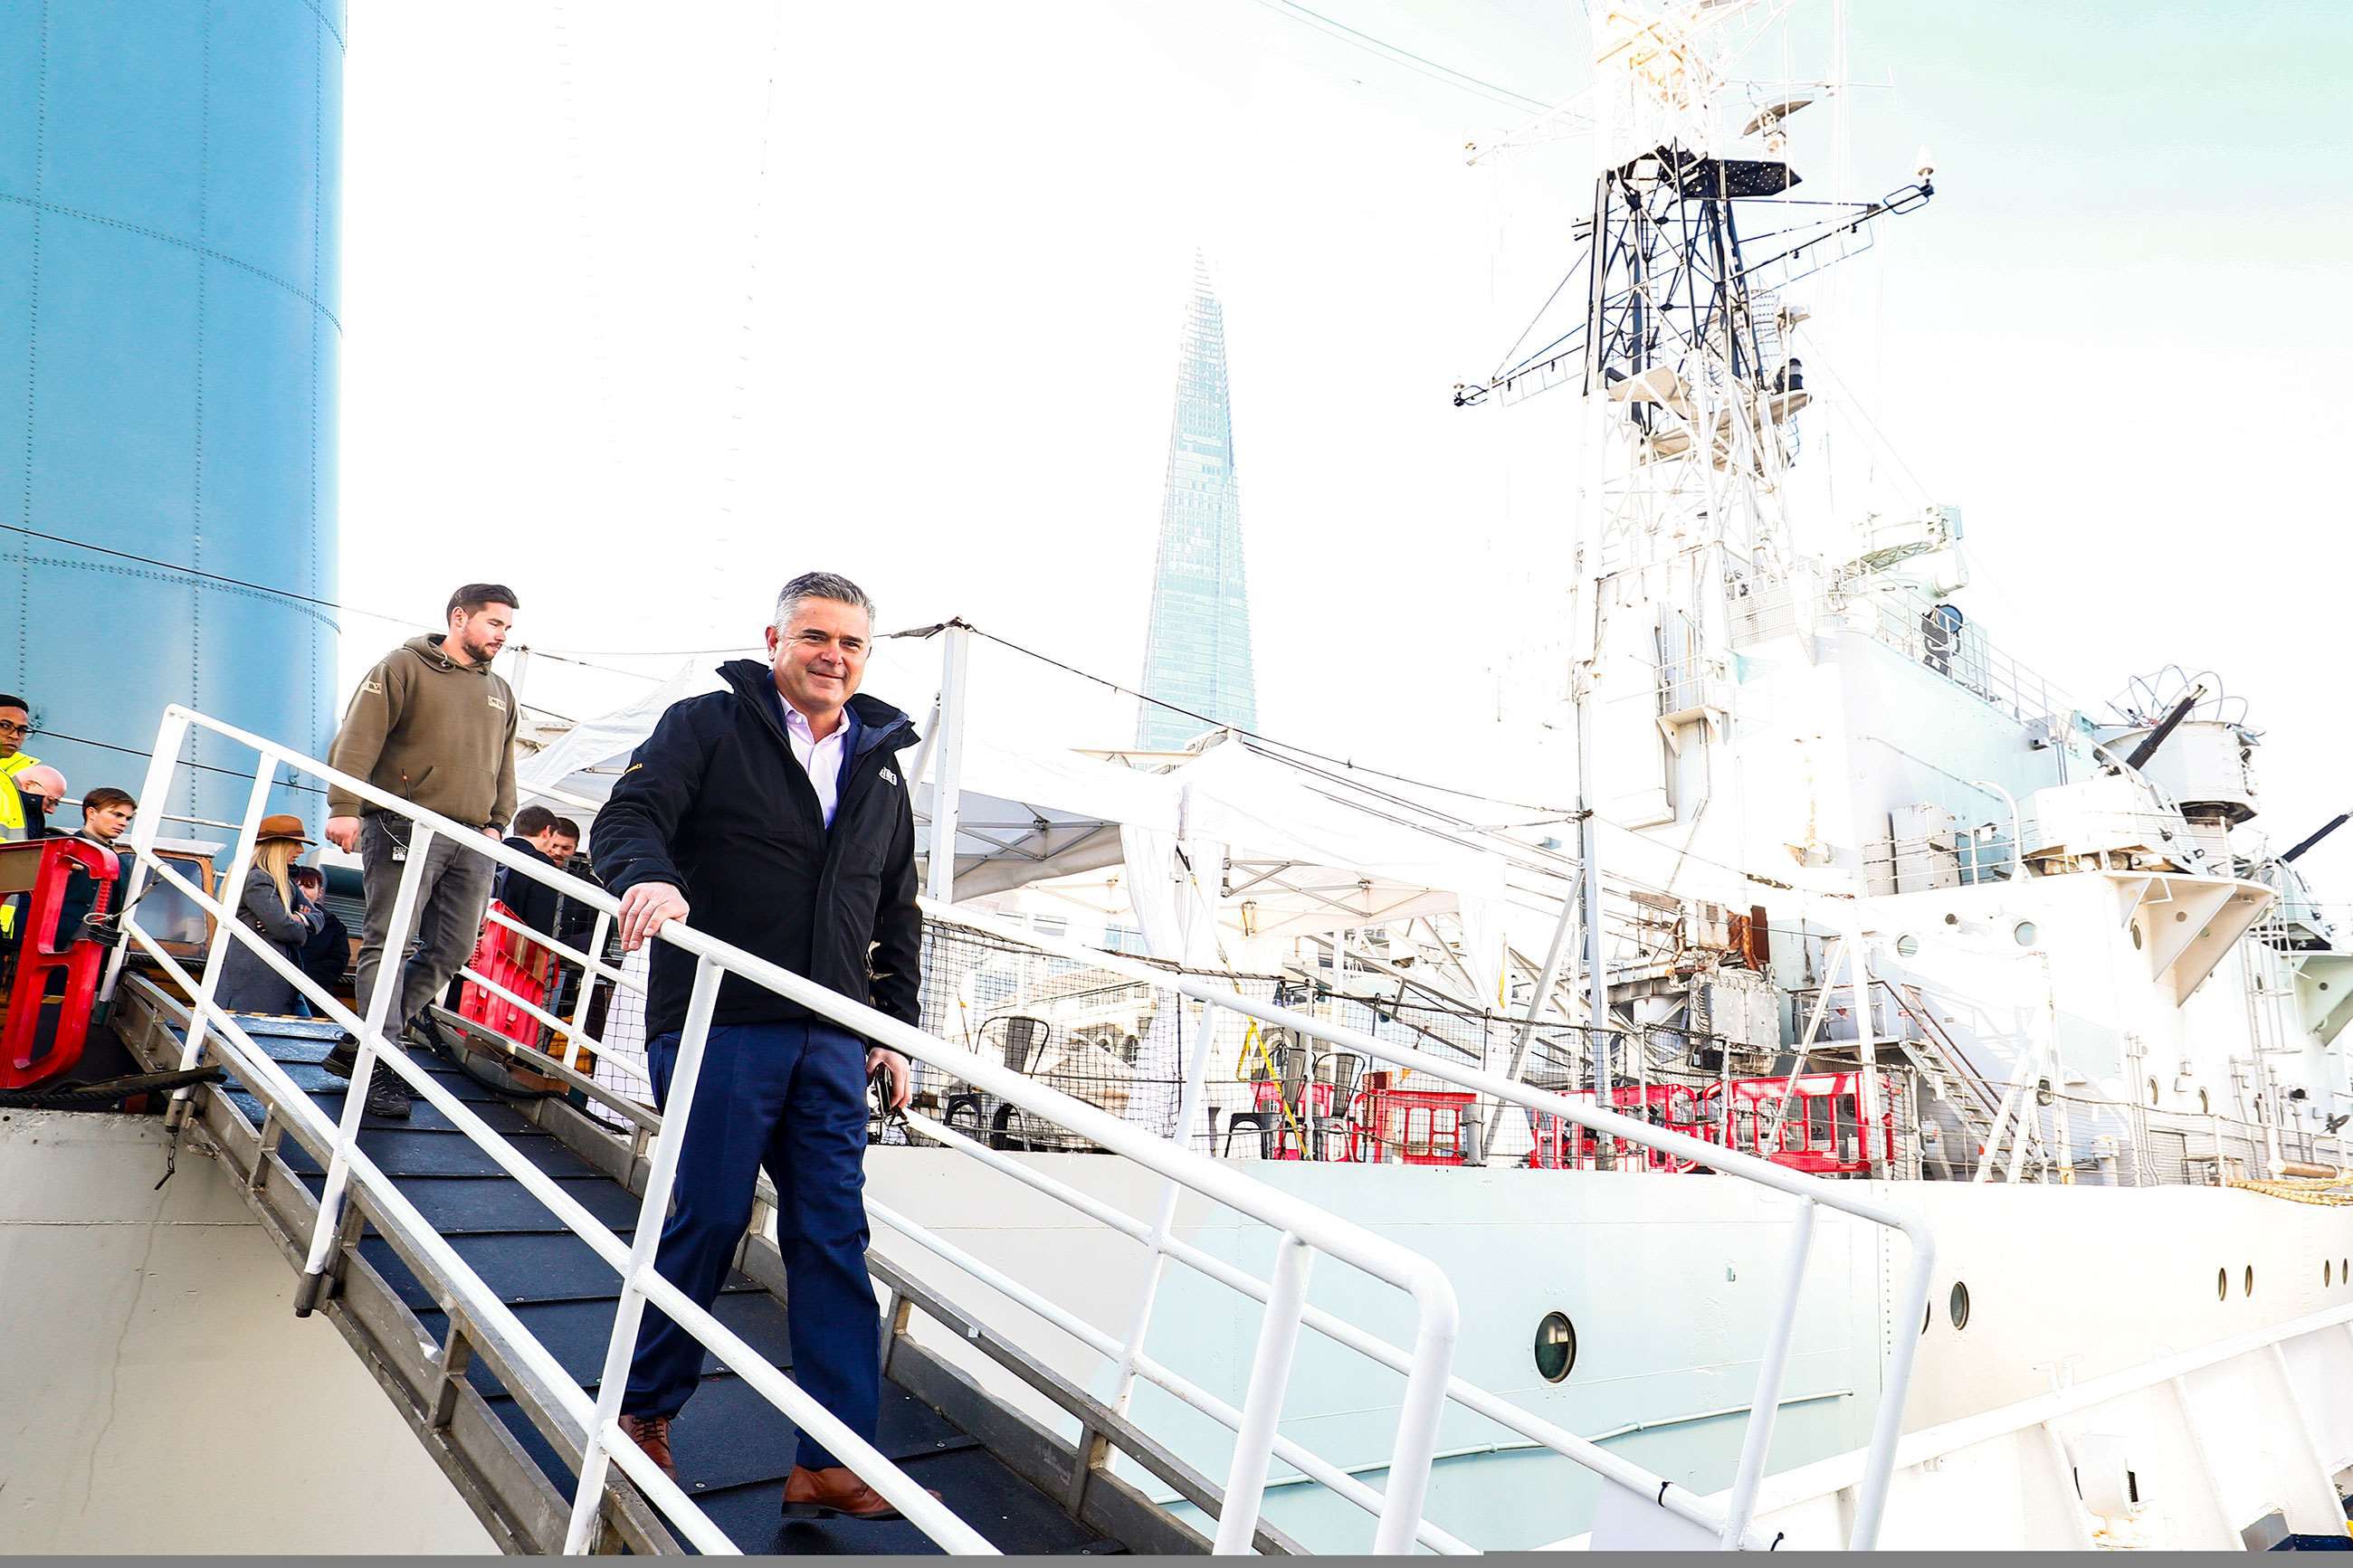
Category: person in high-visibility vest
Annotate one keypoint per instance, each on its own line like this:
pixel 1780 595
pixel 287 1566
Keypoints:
pixel 15 727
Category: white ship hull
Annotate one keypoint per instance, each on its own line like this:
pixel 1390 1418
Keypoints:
pixel 1670 1282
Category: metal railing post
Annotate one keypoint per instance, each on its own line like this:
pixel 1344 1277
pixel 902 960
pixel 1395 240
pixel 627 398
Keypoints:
pixel 588 977
pixel 1278 1337
pixel 1196 1070
pixel 1427 1389
pixel 652 1214
pixel 1766 1406
pixel 939 879
pixel 2017 829
pixel 232 902
pixel 146 827
pixel 1887 1425
pixel 1858 976
pixel 391 973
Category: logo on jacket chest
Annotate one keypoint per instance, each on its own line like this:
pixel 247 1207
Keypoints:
pixel 889 777
pixel 497 703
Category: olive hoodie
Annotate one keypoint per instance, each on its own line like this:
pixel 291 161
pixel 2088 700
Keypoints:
pixel 433 731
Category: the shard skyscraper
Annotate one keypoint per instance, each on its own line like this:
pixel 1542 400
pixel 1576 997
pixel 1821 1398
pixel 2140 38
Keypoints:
pixel 1196 656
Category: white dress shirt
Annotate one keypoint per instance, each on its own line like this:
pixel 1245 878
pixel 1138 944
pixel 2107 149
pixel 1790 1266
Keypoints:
pixel 821 760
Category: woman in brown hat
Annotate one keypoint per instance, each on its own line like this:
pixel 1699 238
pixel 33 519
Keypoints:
pixel 272 908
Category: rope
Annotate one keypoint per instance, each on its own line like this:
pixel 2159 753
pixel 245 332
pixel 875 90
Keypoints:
pixel 2331 1191
pixel 73 1095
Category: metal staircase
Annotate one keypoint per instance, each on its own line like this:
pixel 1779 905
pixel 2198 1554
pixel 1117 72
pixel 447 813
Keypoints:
pixel 494 1429
pixel 1912 1035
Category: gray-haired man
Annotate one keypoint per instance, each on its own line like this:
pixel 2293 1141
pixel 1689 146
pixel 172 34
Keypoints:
pixel 779 808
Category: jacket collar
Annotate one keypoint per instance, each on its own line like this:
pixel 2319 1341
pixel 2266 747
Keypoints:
pixel 752 682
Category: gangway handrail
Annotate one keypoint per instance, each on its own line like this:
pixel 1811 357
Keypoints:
pixel 1809 1190
pixel 1302 1229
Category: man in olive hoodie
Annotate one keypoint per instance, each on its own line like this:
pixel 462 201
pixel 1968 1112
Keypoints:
pixel 431 724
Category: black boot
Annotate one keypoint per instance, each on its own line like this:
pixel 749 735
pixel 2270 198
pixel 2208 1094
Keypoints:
pixel 387 1096
pixel 344 1057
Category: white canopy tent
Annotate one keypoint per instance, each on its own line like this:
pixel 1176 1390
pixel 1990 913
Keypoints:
pixel 1022 818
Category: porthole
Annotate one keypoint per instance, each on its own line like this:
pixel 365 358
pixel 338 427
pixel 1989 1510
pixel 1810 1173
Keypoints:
pixel 1957 1305
pixel 1555 1346
pixel 1927 1316
pixel 2136 931
pixel 2152 1091
pixel 2205 1103
pixel 2024 933
pixel 2222 1284
pixel 2325 1267
pixel 1907 946
pixel 2181 915
pixel 1952 919
pixel 2248 1289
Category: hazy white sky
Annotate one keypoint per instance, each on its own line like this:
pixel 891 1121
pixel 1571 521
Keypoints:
pixel 596 351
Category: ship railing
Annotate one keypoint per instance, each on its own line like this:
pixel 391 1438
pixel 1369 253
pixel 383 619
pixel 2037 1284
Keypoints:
pixel 2045 1431
pixel 1732 1523
pixel 1302 1230
pixel 1895 614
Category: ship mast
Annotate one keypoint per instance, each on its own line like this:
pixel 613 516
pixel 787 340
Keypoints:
pixel 1689 394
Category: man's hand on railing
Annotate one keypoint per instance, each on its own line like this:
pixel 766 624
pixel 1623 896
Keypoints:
pixel 646 909
pixel 343 832
pixel 902 1084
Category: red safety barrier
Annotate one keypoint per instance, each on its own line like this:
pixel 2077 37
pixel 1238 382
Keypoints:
pixel 521 965
pixel 1826 1129
pixel 1562 1145
pixel 52 979
pixel 1410 1126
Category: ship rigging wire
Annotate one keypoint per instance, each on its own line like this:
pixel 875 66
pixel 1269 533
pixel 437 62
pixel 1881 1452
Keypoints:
pixel 1382 49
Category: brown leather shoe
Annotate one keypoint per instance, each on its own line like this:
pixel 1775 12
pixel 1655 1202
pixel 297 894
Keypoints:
pixel 833 1493
pixel 651 1433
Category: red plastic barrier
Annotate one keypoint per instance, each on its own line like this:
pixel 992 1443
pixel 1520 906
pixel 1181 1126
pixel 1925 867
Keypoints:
pixel 53 979
pixel 1826 1129
pixel 1676 1108
pixel 516 963
pixel 1410 1126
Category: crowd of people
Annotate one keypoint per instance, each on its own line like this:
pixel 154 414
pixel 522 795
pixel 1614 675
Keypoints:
pixel 778 806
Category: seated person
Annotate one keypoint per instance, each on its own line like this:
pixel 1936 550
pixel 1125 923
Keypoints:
pixel 29 792
pixel 270 906
pixel 540 834
pixel 106 814
pixel 326 956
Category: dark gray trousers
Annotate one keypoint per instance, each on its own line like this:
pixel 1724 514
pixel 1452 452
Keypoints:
pixel 455 890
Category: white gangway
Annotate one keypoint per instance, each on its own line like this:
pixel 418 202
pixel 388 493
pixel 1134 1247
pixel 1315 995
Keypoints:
pixel 590 1425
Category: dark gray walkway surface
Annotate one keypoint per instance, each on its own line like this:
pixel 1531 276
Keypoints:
pixel 734 1449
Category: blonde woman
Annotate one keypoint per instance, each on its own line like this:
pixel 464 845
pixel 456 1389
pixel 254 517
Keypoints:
pixel 272 908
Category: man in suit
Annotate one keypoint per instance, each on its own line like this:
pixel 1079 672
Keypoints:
pixel 777 811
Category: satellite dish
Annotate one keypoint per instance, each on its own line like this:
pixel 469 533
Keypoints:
pixel 1770 117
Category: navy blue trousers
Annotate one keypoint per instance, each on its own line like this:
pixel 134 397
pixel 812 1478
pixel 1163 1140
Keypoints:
pixel 789 1098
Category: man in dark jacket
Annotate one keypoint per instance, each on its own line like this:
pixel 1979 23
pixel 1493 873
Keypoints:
pixel 779 808
pixel 538 833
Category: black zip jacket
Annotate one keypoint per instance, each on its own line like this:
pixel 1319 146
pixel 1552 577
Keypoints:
pixel 715 803
pixel 538 905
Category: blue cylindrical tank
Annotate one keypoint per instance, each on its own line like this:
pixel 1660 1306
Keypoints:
pixel 170 205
